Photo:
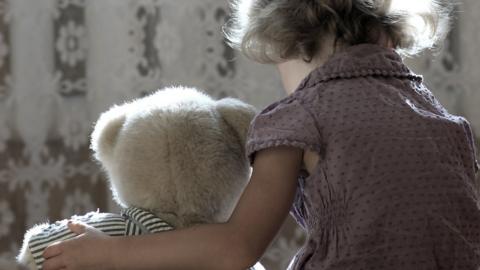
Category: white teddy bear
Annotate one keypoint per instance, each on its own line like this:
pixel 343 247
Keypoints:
pixel 174 158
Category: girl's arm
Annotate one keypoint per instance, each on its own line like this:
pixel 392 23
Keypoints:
pixel 236 244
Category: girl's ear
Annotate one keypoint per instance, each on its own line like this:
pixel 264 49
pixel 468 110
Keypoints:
pixel 237 114
pixel 106 131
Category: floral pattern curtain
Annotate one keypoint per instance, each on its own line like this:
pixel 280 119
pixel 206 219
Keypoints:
pixel 63 62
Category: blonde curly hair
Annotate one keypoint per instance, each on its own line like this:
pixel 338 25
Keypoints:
pixel 272 31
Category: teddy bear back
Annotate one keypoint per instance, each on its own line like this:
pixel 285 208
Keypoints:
pixel 177 152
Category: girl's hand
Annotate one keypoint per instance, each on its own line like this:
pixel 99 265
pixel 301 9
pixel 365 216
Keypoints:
pixel 88 250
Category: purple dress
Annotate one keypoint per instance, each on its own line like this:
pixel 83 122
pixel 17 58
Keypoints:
pixel 395 185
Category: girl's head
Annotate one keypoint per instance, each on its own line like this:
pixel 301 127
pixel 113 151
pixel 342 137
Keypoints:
pixel 272 31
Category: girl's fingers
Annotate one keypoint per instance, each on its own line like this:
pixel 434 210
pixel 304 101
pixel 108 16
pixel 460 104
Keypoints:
pixel 76 228
pixel 54 263
pixel 52 251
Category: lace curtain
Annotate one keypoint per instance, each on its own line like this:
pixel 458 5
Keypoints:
pixel 63 62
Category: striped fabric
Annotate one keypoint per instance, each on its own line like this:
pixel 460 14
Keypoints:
pixel 132 221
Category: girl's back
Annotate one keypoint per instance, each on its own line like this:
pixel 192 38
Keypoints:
pixel 394 186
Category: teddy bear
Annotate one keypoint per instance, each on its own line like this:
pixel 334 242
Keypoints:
pixel 173 159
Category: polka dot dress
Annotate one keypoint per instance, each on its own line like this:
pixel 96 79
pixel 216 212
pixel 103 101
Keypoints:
pixel 394 187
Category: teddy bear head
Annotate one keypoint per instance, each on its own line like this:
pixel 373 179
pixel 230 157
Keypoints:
pixel 177 153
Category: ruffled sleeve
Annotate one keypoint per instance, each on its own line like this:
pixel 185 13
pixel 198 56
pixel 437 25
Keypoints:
pixel 287 122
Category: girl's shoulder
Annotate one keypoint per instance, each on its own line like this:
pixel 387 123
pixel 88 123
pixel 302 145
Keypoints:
pixel 293 100
pixel 286 122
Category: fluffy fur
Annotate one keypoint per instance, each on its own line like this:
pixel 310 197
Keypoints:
pixel 25 257
pixel 177 153
pixel 168 151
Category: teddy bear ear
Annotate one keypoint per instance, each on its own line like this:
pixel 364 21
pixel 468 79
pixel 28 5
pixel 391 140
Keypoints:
pixel 237 114
pixel 105 133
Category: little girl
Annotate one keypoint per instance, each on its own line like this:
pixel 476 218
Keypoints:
pixel 379 174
